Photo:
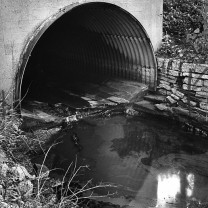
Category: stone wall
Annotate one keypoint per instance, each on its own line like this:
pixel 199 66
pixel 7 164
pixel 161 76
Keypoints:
pixel 184 85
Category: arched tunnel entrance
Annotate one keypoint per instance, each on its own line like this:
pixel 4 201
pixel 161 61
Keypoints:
pixel 89 43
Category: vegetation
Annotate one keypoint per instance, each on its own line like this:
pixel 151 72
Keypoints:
pixel 19 186
pixel 185 27
pixel 23 185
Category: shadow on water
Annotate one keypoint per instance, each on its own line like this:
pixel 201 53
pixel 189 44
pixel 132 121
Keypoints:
pixel 152 162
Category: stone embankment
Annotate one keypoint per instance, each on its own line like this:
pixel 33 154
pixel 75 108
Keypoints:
pixel 182 92
pixel 184 84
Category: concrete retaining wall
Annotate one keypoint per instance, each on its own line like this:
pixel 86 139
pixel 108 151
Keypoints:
pixel 185 85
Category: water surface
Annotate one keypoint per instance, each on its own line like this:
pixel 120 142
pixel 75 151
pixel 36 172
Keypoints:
pixel 153 163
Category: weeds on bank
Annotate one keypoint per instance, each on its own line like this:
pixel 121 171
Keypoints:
pixel 19 188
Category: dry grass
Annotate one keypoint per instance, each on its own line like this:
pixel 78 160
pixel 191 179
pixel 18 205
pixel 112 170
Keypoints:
pixel 16 144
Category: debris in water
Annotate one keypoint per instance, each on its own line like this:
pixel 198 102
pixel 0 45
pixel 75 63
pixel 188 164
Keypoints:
pixel 76 141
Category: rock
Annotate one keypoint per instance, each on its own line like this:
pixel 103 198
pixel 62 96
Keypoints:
pixel 169 93
pixel 71 118
pixel 175 86
pixel 93 103
pixel 173 73
pixel 161 107
pixel 25 188
pixel 4 169
pixel 34 204
pixel 204 89
pixel 191 87
pixel 176 64
pixel 203 76
pixel 160 62
pixel 203 106
pixel 164 82
pixel 187 74
pixel 175 97
pixel 202 94
pixel 118 100
pixel 3 157
pixel 171 100
pixel 4 205
pixel 195 75
pixel 2 191
pixel 21 173
pixel 201 68
pixel 53 200
pixel 203 100
pixel 202 112
pixel 167 80
pixel 188 67
pixel 182 104
pixel 166 76
pixel 193 81
pixel 192 103
pixel 180 111
pixel 162 91
pixel 205 83
pixel 179 94
pixel 164 86
pixel 155 98
pixel 163 64
pixel 197 31
pixel 130 111
pixel 198 68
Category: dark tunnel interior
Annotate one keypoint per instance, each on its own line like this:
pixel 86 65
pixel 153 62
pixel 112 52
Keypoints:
pixel 91 42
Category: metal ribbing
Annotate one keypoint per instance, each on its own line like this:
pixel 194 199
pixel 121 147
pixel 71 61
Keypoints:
pixel 119 47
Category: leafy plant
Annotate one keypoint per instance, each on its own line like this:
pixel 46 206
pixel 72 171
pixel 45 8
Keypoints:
pixel 185 26
pixel 182 17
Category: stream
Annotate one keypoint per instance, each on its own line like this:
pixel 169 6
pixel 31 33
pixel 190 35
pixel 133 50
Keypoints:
pixel 133 161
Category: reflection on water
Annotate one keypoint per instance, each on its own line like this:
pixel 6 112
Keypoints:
pixel 190 188
pixel 169 186
pixel 152 161
pixel 172 186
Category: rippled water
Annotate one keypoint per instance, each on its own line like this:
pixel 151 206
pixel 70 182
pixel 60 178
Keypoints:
pixel 152 162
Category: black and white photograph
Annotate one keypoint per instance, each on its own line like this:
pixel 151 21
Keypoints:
pixel 103 103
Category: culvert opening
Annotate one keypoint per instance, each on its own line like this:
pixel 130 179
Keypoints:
pixel 91 43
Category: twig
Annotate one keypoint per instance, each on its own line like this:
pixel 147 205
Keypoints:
pixel 40 188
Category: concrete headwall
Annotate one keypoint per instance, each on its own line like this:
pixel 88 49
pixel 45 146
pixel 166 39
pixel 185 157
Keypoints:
pixel 19 19
pixel 185 85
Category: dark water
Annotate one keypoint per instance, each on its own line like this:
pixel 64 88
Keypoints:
pixel 152 162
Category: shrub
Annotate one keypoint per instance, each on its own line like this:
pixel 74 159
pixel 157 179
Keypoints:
pixel 182 17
